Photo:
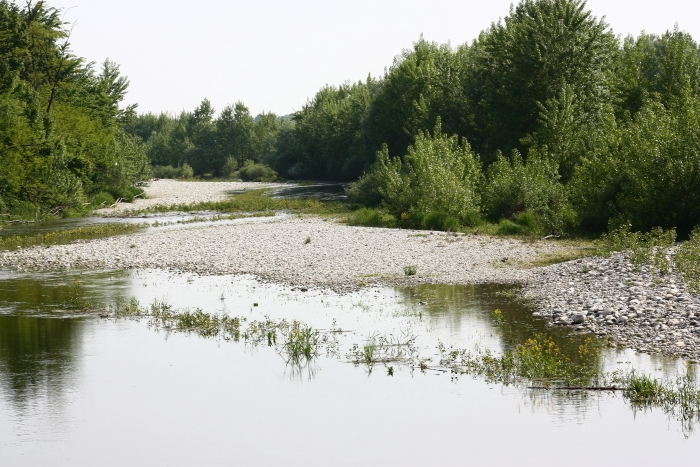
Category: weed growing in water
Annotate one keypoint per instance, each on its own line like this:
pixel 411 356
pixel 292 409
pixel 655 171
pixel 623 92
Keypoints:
pixel 498 317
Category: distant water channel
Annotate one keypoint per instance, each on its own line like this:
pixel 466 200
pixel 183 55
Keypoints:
pixel 324 191
pixel 81 390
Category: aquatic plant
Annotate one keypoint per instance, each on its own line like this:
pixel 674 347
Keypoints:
pixel 537 360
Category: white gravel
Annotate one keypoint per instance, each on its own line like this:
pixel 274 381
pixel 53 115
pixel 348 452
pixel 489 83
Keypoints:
pixel 170 192
pixel 338 255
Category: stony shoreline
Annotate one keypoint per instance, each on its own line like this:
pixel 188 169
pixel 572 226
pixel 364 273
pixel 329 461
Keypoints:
pixel 301 251
pixel 611 298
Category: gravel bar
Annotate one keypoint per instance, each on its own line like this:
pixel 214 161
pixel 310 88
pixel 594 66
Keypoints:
pixel 610 297
pixel 171 192
pixel 336 255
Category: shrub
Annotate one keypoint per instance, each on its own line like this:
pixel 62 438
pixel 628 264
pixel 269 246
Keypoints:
pixel 230 166
pixel 514 188
pixel 252 172
pixel 166 171
pixel 438 181
pixel 643 248
pixel 687 260
pixel 102 199
pixel 371 217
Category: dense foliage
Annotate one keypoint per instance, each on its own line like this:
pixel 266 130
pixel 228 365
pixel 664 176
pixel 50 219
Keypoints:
pixel 572 127
pixel 61 139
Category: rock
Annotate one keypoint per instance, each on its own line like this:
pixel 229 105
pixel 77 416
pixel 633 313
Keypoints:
pixel 578 318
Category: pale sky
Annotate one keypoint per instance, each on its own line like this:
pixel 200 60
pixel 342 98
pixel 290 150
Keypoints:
pixel 273 55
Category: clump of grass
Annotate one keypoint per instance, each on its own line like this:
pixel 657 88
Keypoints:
pixel 385 348
pixel 642 248
pixel 687 260
pixel 679 398
pixel 301 343
pixel 539 360
pixel 498 317
pixel 371 217
pixel 410 270
pixel 68 235
pixel 297 342
pixel 308 240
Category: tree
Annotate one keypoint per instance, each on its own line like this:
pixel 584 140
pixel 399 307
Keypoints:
pixel 541 48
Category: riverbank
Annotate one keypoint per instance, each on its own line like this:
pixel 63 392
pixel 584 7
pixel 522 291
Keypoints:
pixel 611 298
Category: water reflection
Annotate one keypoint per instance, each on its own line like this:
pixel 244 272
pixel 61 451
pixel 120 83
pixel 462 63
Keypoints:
pixel 38 356
pixel 121 373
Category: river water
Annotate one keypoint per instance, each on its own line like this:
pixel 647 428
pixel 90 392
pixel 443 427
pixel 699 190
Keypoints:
pixel 81 390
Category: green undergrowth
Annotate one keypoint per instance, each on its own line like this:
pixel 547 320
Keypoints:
pixel 68 235
pixel 654 250
pixel 538 360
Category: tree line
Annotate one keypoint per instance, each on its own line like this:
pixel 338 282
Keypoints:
pixel 569 125
pixel 547 120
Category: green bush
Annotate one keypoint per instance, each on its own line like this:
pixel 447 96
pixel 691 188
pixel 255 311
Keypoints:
pixel 514 188
pixel 643 248
pixel 371 217
pixel 230 166
pixel 167 171
pixel 252 172
pixel 687 260
pixel 434 187
pixel 101 199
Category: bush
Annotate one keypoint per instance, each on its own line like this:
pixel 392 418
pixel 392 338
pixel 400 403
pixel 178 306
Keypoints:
pixel 365 191
pixel 526 223
pixel 436 186
pixel 101 200
pixel 687 260
pixel 643 248
pixel 514 188
pixel 230 166
pixel 252 172
pixel 166 171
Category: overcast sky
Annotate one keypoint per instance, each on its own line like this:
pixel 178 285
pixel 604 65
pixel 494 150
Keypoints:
pixel 273 55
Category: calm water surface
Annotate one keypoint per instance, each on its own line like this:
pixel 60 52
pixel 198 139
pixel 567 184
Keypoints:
pixel 79 390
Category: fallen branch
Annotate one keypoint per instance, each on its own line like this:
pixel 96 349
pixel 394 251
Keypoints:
pixel 119 200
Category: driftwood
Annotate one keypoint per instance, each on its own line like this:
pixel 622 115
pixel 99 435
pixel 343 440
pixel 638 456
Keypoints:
pixel 119 200
pixel 551 236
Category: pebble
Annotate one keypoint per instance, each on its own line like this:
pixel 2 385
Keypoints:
pixel 637 308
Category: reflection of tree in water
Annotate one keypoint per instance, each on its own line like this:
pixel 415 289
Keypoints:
pixel 37 356
pixel 49 291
